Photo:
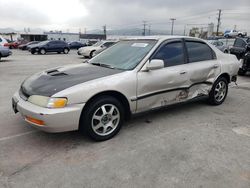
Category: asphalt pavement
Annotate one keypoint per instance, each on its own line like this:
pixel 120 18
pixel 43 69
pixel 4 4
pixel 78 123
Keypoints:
pixel 188 145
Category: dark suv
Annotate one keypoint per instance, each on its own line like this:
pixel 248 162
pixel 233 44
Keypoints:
pixel 241 50
pixel 50 46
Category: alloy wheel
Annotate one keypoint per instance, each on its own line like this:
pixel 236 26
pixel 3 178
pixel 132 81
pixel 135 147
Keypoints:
pixel 220 91
pixel 105 119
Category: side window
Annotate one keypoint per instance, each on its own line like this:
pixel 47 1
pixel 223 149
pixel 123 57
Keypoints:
pixel 239 43
pixel 171 53
pixel 198 51
pixel 1 40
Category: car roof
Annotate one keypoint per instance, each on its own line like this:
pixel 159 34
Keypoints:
pixel 159 38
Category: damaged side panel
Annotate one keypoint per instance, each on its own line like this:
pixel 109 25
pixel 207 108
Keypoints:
pixel 165 98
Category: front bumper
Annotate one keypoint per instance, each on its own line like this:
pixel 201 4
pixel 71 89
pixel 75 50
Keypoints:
pixel 83 53
pixel 55 120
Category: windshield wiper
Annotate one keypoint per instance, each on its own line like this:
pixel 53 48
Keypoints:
pixel 103 65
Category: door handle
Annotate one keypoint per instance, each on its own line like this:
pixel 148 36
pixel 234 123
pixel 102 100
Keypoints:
pixel 216 66
pixel 183 72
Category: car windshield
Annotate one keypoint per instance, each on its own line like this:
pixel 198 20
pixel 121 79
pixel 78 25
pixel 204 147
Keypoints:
pixel 44 42
pixel 124 55
pixel 98 43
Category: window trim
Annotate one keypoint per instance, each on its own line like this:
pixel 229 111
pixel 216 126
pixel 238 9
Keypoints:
pixel 214 57
pixel 168 41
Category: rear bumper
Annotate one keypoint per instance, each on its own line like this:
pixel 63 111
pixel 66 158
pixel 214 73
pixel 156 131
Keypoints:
pixel 55 120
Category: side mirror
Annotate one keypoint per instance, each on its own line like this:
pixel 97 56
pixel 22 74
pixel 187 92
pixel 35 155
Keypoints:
pixel 155 64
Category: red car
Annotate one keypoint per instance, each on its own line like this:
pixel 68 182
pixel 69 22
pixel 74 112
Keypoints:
pixel 11 45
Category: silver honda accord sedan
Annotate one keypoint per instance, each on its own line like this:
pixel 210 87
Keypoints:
pixel 133 76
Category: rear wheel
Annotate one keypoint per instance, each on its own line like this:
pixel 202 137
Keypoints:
pixel 65 50
pixel 218 92
pixel 103 118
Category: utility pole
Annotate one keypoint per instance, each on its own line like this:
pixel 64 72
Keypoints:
pixel 184 33
pixel 149 29
pixel 105 30
pixel 218 24
pixel 85 30
pixel 172 30
pixel 144 28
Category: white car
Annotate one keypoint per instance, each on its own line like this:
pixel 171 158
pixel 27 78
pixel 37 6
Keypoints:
pixel 234 33
pixel 88 51
pixel 2 41
pixel 133 76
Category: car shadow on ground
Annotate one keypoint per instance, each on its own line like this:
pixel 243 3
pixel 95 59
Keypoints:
pixel 5 60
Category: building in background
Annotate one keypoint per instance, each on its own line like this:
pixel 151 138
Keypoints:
pixel 89 37
pixel 210 29
pixel 33 37
pixel 59 35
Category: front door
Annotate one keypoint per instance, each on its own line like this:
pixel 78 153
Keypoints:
pixel 156 88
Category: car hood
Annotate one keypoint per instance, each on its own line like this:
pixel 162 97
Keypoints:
pixel 52 81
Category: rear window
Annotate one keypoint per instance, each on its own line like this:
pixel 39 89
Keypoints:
pixel 199 51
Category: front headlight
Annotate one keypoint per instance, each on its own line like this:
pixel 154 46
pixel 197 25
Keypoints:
pixel 48 102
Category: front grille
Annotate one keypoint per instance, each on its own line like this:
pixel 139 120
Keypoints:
pixel 23 95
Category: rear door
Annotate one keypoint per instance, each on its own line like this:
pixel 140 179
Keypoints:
pixel 239 48
pixel 202 66
pixel 164 86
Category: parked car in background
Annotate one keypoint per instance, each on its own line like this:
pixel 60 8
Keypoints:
pixel 234 33
pixel 2 41
pixel 133 76
pixel 76 45
pixel 241 49
pixel 228 42
pixel 25 46
pixel 50 46
pixel 4 52
pixel 11 44
pixel 88 51
pixel 220 45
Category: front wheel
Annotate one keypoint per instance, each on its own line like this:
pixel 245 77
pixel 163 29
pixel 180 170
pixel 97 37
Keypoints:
pixel 103 118
pixel 91 54
pixel 218 92
pixel 42 51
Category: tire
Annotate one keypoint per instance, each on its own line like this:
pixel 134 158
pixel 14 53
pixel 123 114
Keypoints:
pixel 91 54
pixel 226 51
pixel 65 50
pixel 0 57
pixel 242 72
pixel 218 92
pixel 42 51
pixel 33 52
pixel 240 35
pixel 98 113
